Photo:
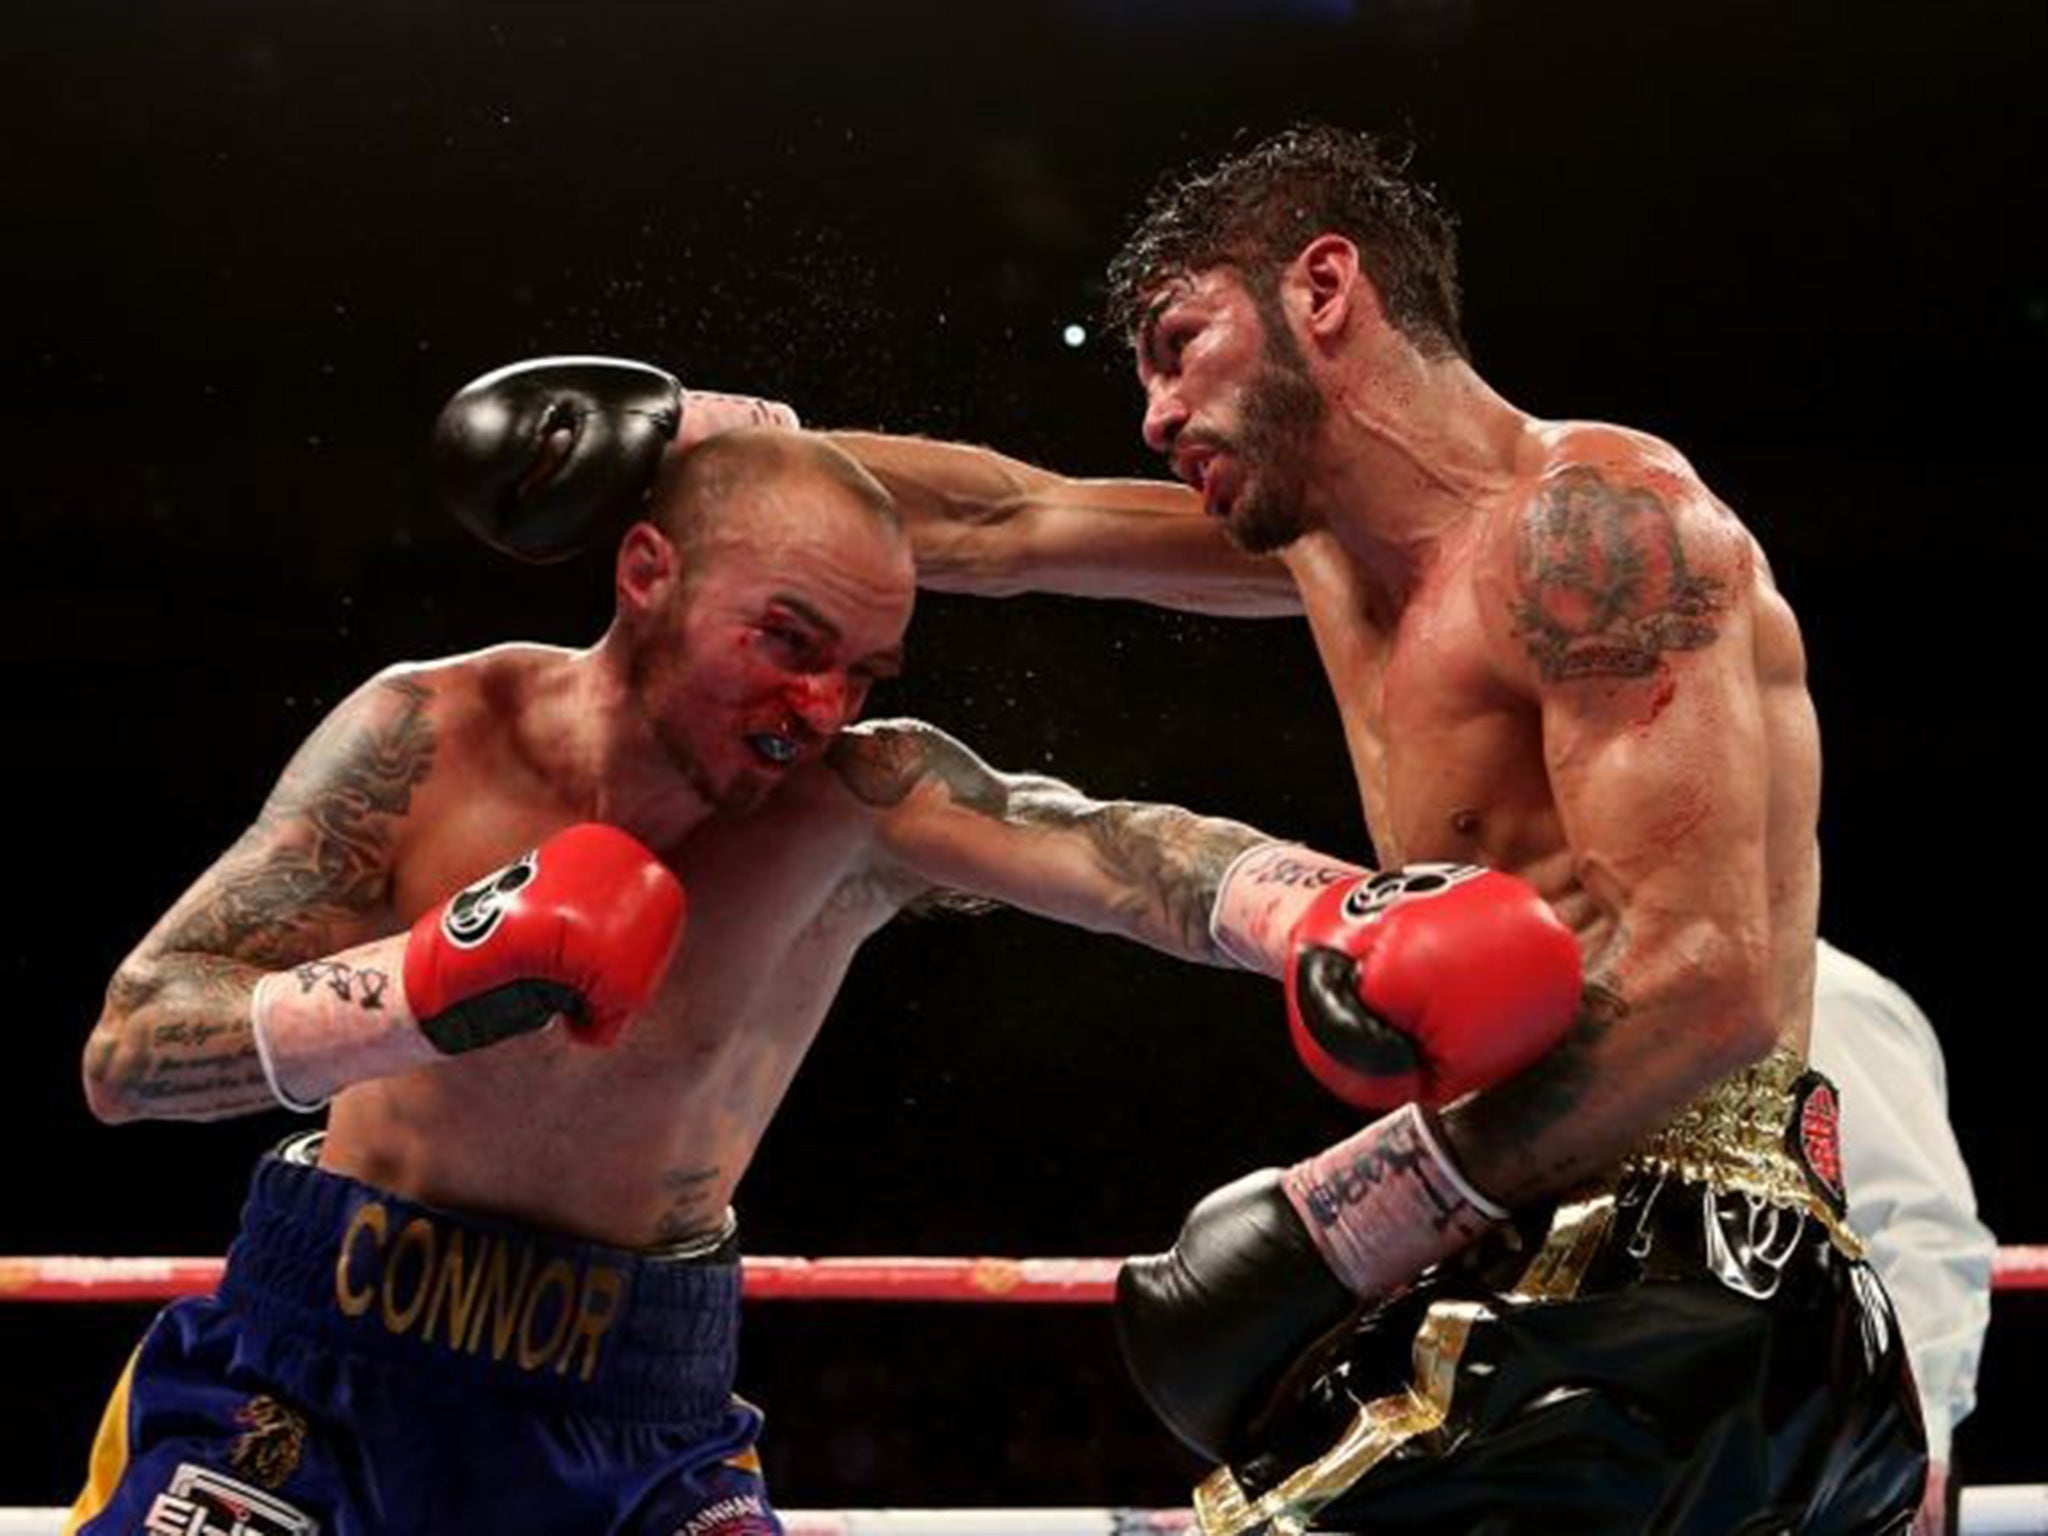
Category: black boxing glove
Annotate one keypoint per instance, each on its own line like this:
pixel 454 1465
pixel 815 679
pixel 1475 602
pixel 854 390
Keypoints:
pixel 1213 1328
pixel 547 457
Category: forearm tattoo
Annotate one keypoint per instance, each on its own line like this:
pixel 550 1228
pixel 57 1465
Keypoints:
pixel 1492 1135
pixel 1604 586
pixel 176 1039
pixel 1166 862
pixel 314 864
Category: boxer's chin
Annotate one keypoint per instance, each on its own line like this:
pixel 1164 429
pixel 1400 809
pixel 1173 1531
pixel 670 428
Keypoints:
pixel 1268 517
pixel 1281 416
pixel 742 792
pixel 725 788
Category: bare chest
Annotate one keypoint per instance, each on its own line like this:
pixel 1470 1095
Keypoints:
pixel 644 1141
pixel 1448 759
pixel 777 903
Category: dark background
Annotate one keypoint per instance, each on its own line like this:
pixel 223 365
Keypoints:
pixel 254 245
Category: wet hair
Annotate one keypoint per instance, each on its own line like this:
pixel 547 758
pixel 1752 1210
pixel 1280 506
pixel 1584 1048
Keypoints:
pixel 1255 210
pixel 700 486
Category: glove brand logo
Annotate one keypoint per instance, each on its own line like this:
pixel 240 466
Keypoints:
pixel 1369 902
pixel 202 1502
pixel 474 914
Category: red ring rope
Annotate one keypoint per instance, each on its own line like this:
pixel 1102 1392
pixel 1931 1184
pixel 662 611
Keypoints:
pixel 69 1278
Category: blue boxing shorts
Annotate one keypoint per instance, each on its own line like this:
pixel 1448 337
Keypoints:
pixel 375 1367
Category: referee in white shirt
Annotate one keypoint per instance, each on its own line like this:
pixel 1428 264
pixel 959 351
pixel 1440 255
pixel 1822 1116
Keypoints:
pixel 1910 1198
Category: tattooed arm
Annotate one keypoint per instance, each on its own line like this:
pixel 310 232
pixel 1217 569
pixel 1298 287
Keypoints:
pixel 313 875
pixel 993 526
pixel 950 822
pixel 1627 605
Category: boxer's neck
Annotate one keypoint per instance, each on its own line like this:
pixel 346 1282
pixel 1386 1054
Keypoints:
pixel 604 755
pixel 1412 449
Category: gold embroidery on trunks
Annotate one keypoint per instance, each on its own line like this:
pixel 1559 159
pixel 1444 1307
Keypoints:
pixel 1382 1426
pixel 473 1291
pixel 1732 1140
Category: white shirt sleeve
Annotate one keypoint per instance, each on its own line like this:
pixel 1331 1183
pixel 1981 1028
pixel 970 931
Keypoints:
pixel 1910 1197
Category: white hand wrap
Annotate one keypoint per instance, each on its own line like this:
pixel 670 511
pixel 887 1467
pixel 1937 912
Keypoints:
pixel 320 1026
pixel 1385 1204
pixel 1262 896
pixel 709 411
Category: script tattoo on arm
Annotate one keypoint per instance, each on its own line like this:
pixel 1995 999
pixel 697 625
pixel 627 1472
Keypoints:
pixel 1605 589
pixel 310 876
pixel 1159 866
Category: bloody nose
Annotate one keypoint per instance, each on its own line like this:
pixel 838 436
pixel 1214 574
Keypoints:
pixel 820 701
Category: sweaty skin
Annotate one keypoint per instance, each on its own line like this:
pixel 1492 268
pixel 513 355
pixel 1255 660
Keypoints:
pixel 1554 652
pixel 431 776
pixel 1445 722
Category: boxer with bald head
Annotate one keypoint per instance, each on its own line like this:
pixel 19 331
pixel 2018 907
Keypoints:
pixel 549 932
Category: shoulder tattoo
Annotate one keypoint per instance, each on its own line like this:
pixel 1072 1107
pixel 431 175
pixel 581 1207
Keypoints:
pixel 320 849
pixel 1603 586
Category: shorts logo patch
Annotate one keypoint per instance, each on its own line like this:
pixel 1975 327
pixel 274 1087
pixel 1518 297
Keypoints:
pixel 1814 1137
pixel 744 1514
pixel 473 915
pixel 203 1502
pixel 272 1441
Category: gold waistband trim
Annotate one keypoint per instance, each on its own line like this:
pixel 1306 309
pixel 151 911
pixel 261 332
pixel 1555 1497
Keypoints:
pixel 1732 1139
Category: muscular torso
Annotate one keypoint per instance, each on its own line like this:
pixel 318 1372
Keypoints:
pixel 1448 747
pixel 643 1143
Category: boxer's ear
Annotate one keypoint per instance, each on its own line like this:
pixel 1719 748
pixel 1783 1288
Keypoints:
pixel 1331 290
pixel 649 568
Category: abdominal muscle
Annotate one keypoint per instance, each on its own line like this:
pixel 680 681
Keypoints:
pixel 638 1145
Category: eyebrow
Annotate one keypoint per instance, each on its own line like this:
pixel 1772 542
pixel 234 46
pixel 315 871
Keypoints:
pixel 1148 327
pixel 807 613
pixel 1169 291
pixel 891 658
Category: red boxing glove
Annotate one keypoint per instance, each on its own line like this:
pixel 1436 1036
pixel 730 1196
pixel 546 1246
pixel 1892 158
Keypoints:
pixel 584 926
pixel 1428 982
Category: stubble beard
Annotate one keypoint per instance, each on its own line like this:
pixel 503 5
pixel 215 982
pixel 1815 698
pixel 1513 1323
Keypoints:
pixel 644 679
pixel 1280 415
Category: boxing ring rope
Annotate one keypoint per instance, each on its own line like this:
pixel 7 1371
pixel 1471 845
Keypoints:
pixel 2011 1510
pixel 59 1277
